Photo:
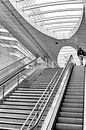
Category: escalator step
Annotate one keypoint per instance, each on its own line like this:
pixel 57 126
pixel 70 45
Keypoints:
pixel 69 120
pixel 75 110
pixel 73 100
pixel 73 97
pixel 75 90
pixel 62 126
pixel 71 115
pixel 73 105
pixel 74 93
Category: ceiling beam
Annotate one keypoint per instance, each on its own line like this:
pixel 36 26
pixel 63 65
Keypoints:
pixel 52 4
pixel 53 11
pixel 58 27
pixel 59 22
pixel 62 29
pixel 57 18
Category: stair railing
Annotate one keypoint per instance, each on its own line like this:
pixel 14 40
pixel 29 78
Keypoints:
pixel 45 97
pixel 11 79
pixel 37 107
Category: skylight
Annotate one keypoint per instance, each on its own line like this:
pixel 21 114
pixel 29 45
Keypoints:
pixel 48 14
pixel 59 13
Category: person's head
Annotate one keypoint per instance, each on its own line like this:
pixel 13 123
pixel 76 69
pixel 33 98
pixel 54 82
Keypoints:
pixel 79 48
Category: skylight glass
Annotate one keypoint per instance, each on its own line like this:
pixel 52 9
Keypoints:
pixel 45 14
pixel 52 8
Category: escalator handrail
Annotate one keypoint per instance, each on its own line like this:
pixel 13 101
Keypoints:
pixel 15 73
pixel 46 101
pixel 84 101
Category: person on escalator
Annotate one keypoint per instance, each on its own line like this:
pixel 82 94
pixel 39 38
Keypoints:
pixel 80 53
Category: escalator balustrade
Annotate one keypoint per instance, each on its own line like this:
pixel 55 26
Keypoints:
pixel 70 115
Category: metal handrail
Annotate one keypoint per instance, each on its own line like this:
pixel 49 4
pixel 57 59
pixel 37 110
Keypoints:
pixel 84 101
pixel 42 102
pixel 38 101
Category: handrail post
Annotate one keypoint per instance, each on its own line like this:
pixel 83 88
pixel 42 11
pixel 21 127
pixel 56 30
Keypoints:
pixel 37 110
pixel 18 79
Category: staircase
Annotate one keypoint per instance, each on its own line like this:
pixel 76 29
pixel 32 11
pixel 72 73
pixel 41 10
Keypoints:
pixel 70 115
pixel 15 109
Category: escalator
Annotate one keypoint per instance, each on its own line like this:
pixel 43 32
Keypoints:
pixel 71 110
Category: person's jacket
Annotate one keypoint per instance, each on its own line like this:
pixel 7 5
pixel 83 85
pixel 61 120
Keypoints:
pixel 80 52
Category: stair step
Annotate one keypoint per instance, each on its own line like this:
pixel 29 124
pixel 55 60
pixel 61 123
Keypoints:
pixel 15 111
pixel 20 103
pixel 18 107
pixel 26 94
pixel 69 120
pixel 14 116
pixel 62 126
pixel 29 92
pixel 31 89
pixel 11 121
pixel 30 101
pixel 23 97
pixel 5 126
pixel 71 115
pixel 21 100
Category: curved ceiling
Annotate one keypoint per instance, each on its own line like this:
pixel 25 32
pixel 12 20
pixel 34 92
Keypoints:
pixel 30 37
pixel 57 18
